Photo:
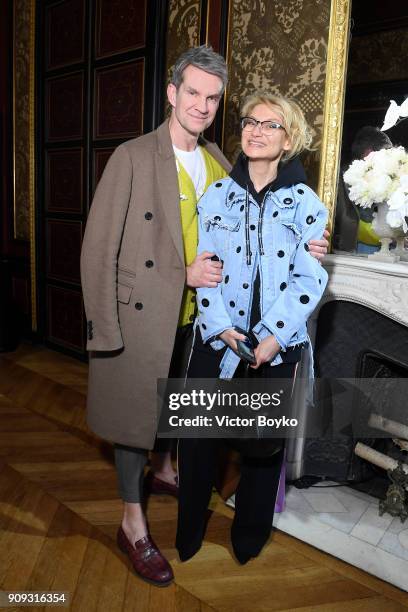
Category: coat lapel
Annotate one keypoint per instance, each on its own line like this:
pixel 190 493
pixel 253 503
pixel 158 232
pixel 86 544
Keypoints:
pixel 167 179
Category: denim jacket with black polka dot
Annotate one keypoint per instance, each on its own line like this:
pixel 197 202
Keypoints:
pixel 273 237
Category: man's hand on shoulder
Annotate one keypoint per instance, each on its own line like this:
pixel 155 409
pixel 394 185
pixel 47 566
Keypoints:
pixel 204 272
pixel 318 248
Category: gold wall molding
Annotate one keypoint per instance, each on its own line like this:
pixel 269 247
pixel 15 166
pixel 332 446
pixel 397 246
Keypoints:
pixel 24 134
pixel 336 68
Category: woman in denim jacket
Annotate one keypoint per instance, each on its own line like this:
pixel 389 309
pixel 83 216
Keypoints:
pixel 258 222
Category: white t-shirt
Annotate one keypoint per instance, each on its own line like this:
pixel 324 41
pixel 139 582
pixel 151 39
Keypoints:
pixel 194 164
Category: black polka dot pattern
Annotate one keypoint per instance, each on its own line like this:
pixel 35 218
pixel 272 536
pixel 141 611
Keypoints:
pixel 280 324
pixel 252 227
pixel 204 326
pixel 241 313
pixel 205 302
pixel 245 285
pixel 297 275
pixel 287 201
pixel 226 279
pixel 304 299
pixel 238 249
pixel 232 304
pixel 300 191
pixel 320 281
pixel 281 253
pixel 217 218
pixel 241 208
pixel 275 214
pixel 283 286
pixel 291 267
pixel 309 220
pixel 218 184
pixel 306 246
pixel 231 195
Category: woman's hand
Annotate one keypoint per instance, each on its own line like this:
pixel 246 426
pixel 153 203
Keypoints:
pixel 318 248
pixel 265 351
pixel 229 336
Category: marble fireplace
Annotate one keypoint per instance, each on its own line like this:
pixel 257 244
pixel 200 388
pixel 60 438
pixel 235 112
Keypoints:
pixel 359 330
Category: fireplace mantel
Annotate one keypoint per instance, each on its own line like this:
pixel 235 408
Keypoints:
pixel 377 285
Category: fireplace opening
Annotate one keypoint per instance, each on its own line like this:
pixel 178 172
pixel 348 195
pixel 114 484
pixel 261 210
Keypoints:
pixel 354 341
pixel 373 479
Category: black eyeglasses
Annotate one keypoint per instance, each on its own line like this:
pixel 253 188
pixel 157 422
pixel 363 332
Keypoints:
pixel 267 127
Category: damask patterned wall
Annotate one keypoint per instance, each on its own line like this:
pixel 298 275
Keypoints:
pixel 381 56
pixel 23 60
pixel 183 29
pixel 280 46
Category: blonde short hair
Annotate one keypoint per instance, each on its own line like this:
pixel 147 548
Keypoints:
pixel 293 119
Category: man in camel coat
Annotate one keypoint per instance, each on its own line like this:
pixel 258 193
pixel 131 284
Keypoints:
pixel 138 262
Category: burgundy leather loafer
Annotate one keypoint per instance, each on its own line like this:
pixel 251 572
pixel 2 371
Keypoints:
pixel 156 486
pixel 148 562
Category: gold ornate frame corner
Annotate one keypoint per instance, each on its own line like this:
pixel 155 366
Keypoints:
pixel 336 68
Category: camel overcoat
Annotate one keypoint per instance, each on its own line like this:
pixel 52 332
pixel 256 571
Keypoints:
pixel 133 276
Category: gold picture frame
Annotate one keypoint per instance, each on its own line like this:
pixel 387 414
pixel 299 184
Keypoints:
pixel 24 135
pixel 333 113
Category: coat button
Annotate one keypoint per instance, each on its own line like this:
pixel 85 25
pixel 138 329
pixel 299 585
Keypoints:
pixel 149 263
pixel 148 216
pixel 138 305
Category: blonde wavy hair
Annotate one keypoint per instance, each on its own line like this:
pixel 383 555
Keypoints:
pixel 293 120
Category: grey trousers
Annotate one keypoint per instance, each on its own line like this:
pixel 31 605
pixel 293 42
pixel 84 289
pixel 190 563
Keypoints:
pixel 129 461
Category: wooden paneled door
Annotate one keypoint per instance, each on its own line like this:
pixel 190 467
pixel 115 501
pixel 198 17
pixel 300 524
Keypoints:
pixel 100 81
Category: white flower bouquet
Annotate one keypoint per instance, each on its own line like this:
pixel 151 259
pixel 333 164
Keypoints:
pixel 382 176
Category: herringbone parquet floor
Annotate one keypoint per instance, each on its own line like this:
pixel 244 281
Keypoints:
pixel 59 513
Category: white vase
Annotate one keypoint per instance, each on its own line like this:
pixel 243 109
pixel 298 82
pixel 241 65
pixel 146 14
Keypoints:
pixel 385 233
